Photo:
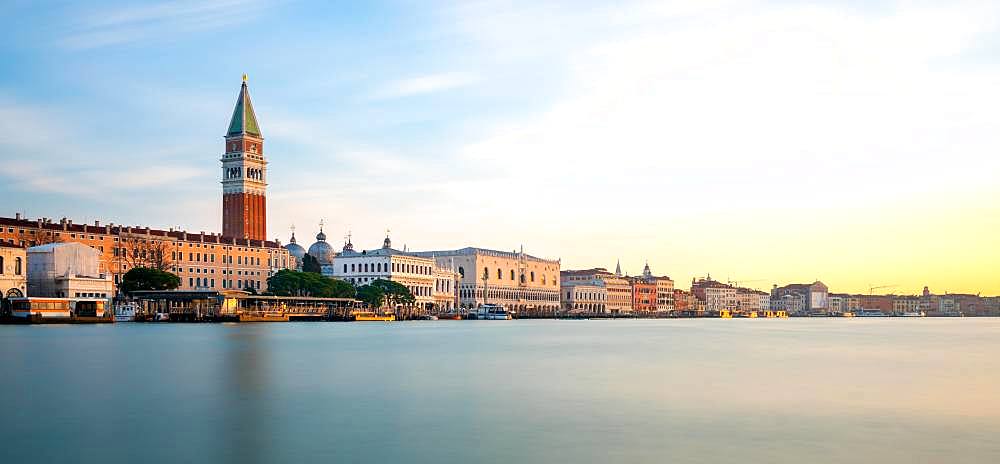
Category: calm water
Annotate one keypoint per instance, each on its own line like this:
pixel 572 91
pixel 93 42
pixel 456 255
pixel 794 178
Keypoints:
pixel 748 391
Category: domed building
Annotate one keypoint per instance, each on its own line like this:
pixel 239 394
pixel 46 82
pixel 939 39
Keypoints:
pixel 321 250
pixel 296 250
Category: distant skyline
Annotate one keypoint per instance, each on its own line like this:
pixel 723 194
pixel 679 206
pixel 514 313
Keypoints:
pixel 857 143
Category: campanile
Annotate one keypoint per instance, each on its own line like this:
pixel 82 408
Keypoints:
pixel 244 174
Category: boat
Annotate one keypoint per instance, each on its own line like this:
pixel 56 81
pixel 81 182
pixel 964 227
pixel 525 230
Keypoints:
pixel 914 314
pixel 450 317
pixel 870 313
pixel 726 314
pixel 162 317
pixel 125 312
pixel 490 312
pixel 847 314
pixel 373 316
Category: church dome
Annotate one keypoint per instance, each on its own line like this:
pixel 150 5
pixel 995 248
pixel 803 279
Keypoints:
pixel 295 249
pixel 321 250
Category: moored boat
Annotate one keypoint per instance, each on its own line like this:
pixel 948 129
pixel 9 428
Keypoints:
pixel 125 312
pixel 490 312
pixel 373 316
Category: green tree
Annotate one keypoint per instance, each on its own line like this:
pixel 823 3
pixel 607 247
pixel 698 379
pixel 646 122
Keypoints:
pixel 310 264
pixel 395 292
pixel 144 278
pixel 250 290
pixel 287 282
pixel 371 296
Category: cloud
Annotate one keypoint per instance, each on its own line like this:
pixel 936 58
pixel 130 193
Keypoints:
pixel 425 84
pixel 157 21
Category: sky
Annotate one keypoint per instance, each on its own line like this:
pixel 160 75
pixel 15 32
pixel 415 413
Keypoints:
pixel 761 142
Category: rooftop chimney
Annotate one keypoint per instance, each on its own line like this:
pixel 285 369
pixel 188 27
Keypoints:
pixel 17 216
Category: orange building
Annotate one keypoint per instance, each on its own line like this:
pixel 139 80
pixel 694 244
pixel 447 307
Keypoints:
pixel 203 261
pixel 643 295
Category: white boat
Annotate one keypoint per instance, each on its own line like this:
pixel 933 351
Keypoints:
pixel 914 314
pixel 125 312
pixel 491 312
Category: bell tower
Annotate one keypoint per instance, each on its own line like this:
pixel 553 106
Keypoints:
pixel 244 174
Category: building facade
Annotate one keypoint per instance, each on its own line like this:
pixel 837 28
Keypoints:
pixel 202 261
pixel 13 275
pixel 580 297
pixel 432 287
pixel 714 295
pixel 618 290
pixel 801 299
pixel 523 283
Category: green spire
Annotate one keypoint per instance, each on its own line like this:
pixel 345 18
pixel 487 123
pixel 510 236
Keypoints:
pixel 244 120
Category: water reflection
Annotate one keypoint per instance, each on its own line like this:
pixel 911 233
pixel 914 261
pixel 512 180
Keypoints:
pixel 818 391
pixel 245 434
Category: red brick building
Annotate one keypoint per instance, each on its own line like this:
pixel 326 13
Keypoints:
pixel 244 174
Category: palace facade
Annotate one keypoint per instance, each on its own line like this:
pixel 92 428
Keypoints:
pixel 519 281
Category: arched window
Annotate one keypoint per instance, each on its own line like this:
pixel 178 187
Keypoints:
pixel 17 266
pixel 532 276
pixel 512 275
pixel 461 271
pixel 1 265
pixel 499 274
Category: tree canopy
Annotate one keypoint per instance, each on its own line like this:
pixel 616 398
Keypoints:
pixel 371 296
pixel 144 278
pixel 287 282
pixel 382 291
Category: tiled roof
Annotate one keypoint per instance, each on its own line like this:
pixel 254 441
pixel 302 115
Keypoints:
pixel 119 230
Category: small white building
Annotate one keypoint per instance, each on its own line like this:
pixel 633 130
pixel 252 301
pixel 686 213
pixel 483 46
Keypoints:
pixel 432 286
pixel 67 270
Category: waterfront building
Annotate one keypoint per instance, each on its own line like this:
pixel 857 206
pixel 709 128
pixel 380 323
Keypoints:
pixel 202 261
pixel 881 303
pixel 842 303
pixel 664 290
pixel 643 295
pixel 445 285
pixel 581 297
pixel 13 276
pixel 244 174
pixel 685 303
pixel 905 304
pixel 521 282
pixel 716 296
pixel 433 287
pixel 749 300
pixel 801 299
pixel 618 290
pixel 67 270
